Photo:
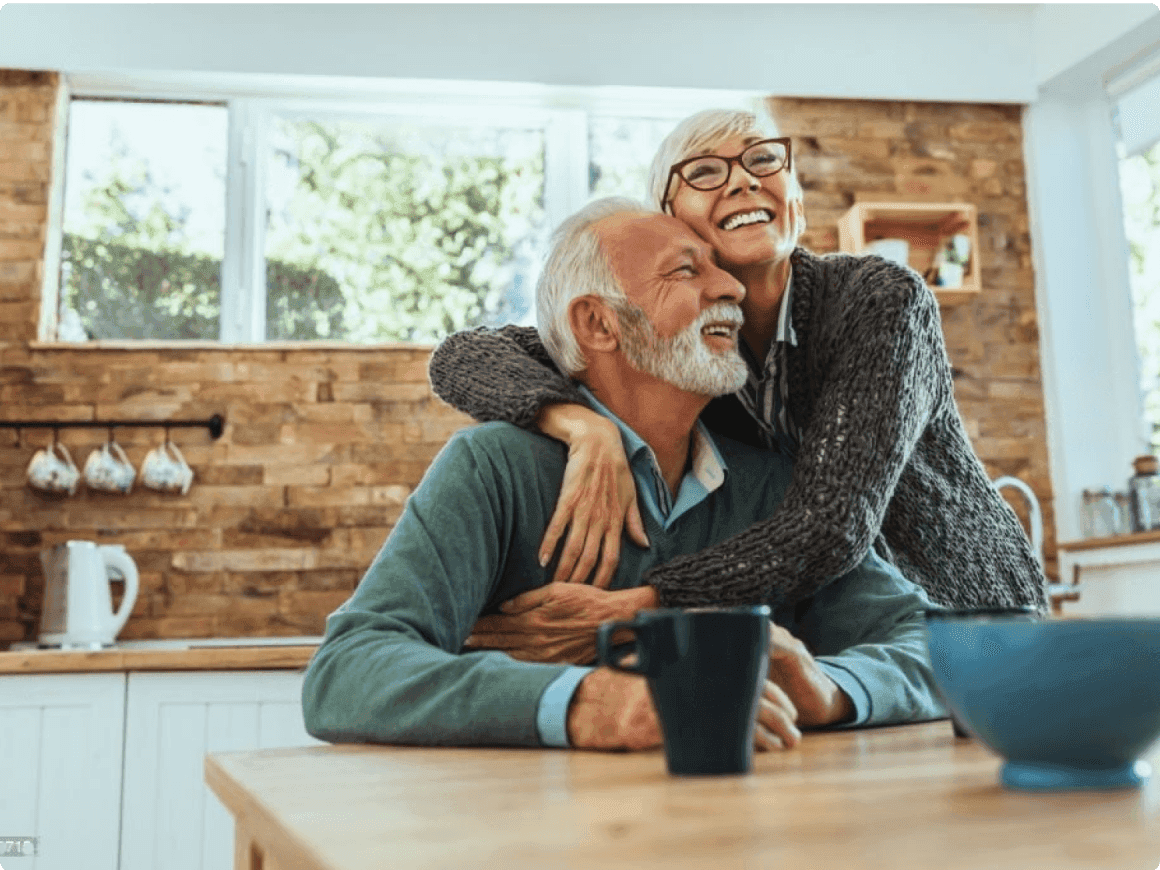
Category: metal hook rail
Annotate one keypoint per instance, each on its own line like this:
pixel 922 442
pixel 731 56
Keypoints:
pixel 215 424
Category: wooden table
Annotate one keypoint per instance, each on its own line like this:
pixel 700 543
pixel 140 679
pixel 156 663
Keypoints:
pixel 898 798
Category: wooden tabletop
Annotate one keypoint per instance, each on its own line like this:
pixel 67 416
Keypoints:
pixel 899 798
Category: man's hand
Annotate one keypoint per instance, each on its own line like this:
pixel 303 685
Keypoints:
pixel 557 622
pixel 612 710
pixel 776 716
pixel 816 697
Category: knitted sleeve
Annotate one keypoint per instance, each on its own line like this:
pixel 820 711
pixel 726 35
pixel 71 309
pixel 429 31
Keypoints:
pixel 882 373
pixel 498 374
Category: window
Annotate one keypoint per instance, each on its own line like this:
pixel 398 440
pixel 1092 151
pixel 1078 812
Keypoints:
pixel 1140 189
pixel 1138 95
pixel 144 220
pixel 268 217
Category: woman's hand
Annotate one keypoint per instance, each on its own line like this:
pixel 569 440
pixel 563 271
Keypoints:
pixel 597 498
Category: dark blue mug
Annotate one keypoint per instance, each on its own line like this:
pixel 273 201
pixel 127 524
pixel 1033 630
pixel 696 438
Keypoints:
pixel 706 670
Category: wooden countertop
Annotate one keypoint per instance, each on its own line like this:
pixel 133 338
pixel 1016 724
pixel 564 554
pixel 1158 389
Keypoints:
pixel 1151 537
pixel 901 798
pixel 224 658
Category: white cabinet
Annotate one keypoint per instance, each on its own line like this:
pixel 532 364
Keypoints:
pixel 60 767
pixel 106 769
pixel 170 819
pixel 1115 576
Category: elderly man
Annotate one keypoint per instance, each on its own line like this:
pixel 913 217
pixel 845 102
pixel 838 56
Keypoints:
pixel 633 307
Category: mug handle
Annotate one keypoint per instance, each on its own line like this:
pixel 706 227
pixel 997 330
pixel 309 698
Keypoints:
pixel 58 446
pixel 613 655
pixel 120 453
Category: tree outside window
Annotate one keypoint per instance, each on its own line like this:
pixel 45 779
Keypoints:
pixel 1140 189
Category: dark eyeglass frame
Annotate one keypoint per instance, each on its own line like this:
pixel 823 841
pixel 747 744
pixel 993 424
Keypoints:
pixel 676 168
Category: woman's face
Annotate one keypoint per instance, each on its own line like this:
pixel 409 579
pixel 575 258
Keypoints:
pixel 772 207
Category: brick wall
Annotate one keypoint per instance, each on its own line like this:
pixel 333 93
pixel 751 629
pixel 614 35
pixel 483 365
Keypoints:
pixel 848 149
pixel 323 443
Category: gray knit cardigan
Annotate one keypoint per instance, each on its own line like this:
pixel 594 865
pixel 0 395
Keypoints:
pixel 884 458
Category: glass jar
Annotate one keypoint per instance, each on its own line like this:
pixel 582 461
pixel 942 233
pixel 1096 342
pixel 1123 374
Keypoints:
pixel 1100 517
pixel 1144 493
pixel 1123 513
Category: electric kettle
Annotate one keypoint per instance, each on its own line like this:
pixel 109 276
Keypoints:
pixel 78 605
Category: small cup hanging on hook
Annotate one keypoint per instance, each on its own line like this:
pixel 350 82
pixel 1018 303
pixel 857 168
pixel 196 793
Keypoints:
pixel 165 469
pixel 108 468
pixel 52 469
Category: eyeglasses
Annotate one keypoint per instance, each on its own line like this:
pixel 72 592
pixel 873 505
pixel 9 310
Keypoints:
pixel 710 171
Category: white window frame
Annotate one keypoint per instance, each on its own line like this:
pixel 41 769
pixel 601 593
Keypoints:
pixel 253 102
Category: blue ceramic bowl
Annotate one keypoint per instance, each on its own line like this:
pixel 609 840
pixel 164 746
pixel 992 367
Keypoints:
pixel 1069 703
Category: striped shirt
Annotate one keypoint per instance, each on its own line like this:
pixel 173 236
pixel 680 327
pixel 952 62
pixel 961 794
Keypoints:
pixel 766 391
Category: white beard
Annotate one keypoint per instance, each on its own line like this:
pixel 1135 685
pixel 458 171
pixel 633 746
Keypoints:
pixel 683 360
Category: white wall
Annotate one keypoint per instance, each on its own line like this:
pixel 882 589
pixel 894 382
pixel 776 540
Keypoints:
pixel 1066 34
pixel 955 52
pixel 1091 387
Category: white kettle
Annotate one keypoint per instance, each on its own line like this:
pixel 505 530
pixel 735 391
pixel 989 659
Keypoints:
pixel 78 605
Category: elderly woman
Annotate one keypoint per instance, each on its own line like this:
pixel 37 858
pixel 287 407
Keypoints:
pixel 848 374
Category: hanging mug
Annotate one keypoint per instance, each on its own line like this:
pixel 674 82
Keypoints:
pixel 166 470
pixel 108 469
pixel 52 470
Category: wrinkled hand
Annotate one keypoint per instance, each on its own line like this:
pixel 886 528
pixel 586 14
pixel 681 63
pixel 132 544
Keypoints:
pixel 776 716
pixel 816 698
pixel 557 622
pixel 597 497
pixel 612 710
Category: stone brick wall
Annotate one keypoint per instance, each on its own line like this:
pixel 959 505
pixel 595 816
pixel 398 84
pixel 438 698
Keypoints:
pixel 324 443
pixel 846 150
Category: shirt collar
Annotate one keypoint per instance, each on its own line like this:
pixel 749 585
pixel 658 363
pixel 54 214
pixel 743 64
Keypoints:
pixel 785 330
pixel 706 473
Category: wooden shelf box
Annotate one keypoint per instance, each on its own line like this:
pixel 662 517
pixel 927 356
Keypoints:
pixel 926 226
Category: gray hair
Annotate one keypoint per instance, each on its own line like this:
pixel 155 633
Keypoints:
pixel 577 265
pixel 698 134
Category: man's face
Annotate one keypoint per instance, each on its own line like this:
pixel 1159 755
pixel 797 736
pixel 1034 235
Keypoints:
pixel 683 316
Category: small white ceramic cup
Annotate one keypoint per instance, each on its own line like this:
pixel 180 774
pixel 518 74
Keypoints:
pixel 108 469
pixel 166 470
pixel 52 470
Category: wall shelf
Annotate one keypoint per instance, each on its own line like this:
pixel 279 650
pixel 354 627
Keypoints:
pixel 925 226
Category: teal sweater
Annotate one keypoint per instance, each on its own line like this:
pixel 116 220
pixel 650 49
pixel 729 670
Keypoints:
pixel 391 667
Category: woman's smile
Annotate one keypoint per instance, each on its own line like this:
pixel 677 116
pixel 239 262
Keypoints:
pixel 750 221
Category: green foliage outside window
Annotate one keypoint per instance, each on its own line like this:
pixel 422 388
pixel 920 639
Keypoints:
pixel 375 232
pixel 1140 188
pixel 120 291
pixel 426 233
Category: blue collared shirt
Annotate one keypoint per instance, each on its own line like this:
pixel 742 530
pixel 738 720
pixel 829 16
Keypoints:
pixel 706 473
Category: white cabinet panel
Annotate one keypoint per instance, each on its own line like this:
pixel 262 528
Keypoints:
pixel 170 818
pixel 60 767
pixel 1122 579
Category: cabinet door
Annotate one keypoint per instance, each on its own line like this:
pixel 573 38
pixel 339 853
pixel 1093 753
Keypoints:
pixel 60 767
pixel 170 817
